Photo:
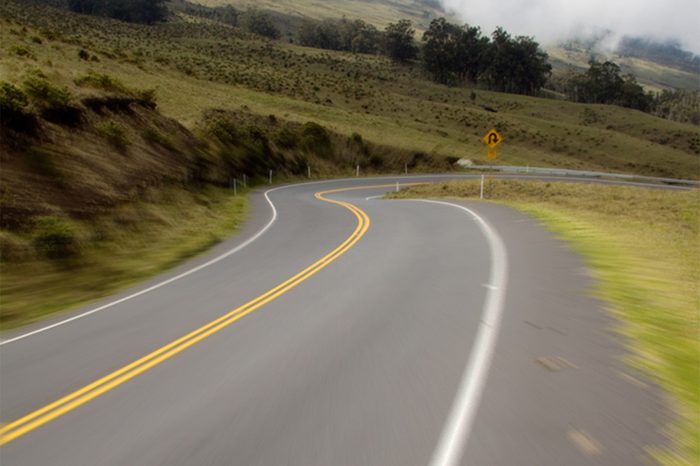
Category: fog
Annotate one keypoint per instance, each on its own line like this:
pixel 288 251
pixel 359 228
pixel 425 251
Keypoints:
pixel 551 21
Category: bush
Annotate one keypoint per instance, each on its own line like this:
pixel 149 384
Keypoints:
pixel 13 103
pixel 22 51
pixel 155 137
pixel 147 97
pixel 13 248
pixel 56 238
pixel 114 133
pixel 101 81
pixel 315 139
pixel 54 102
pixel 223 130
pixel 285 138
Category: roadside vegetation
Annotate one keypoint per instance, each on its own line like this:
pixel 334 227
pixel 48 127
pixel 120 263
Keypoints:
pixel 643 246
pixel 63 262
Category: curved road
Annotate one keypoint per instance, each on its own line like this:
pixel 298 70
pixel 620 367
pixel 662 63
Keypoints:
pixel 347 331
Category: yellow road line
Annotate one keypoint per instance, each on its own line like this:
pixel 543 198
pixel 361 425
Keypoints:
pixel 83 395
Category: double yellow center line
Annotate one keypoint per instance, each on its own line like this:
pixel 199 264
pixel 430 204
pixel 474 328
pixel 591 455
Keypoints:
pixel 82 396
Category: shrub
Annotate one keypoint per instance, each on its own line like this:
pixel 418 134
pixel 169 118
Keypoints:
pixel 13 103
pixel 223 130
pixel 54 102
pixel 101 81
pixel 83 54
pixel 56 237
pixel 315 139
pixel 13 248
pixel 114 133
pixel 147 97
pixel 155 137
pixel 285 138
pixel 22 51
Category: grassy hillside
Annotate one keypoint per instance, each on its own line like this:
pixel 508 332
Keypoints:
pixel 379 13
pixel 194 67
pixel 653 76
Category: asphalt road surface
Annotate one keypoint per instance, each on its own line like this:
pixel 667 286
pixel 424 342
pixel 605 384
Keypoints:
pixel 348 330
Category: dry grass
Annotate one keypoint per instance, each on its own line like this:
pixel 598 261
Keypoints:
pixel 644 247
pixel 194 67
pixel 131 243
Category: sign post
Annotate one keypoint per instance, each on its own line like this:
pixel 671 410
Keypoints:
pixel 492 139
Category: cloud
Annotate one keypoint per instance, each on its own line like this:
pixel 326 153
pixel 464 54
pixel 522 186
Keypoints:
pixel 551 21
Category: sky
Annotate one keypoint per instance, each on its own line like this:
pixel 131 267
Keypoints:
pixel 551 21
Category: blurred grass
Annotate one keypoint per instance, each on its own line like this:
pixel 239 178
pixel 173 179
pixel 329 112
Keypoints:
pixel 643 246
pixel 134 242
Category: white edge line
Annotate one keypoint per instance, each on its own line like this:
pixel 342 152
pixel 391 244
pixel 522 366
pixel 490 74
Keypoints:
pixel 247 242
pixel 457 428
pixel 161 284
pixel 190 271
pixel 373 197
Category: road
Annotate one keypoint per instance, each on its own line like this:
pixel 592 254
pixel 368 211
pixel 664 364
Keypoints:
pixel 343 330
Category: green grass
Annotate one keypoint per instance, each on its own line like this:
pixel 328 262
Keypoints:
pixel 194 67
pixel 134 242
pixel 644 248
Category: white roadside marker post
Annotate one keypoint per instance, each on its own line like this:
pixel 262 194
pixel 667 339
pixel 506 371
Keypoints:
pixel 481 193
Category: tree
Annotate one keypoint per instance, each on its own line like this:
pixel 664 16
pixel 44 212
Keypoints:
pixel 398 41
pixel 320 34
pixel 441 51
pixel 134 11
pixel 602 84
pixel 359 37
pixel 515 65
pixel 355 36
pixel 530 68
pixel 260 23
pixel 452 53
pixel 632 95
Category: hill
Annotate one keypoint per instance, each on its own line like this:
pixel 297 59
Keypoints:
pixel 657 66
pixel 379 13
pixel 196 66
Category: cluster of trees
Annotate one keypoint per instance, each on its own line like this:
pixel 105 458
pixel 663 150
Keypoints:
pixel 353 36
pixel 260 23
pixel 451 54
pixel 455 54
pixel 603 83
pixel 134 11
pixel 681 105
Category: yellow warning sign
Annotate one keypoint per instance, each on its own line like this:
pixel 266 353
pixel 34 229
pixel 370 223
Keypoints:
pixel 492 138
pixel 491 154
